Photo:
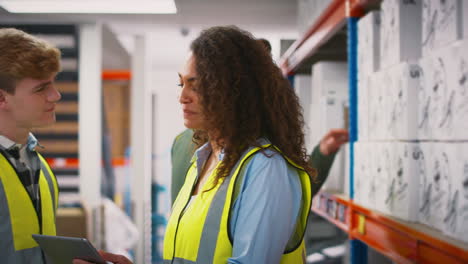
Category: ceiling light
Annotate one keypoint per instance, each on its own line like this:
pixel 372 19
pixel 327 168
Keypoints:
pixel 90 6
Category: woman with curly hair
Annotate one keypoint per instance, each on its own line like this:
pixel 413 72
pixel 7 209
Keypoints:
pixel 247 195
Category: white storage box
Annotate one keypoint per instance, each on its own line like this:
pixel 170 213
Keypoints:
pixel 378 106
pixel 363 108
pixel 333 116
pixel 425 130
pixel 329 76
pixel 404 181
pixel 382 170
pixel 329 87
pixel 460 84
pixel 403 101
pixel 464 16
pixel 368 44
pixel 441 24
pixel 360 171
pixel 438 180
pixel 422 163
pixel 456 216
pixel 364 174
pixel 400 31
pixel 462 184
pixel 336 177
pixel 437 112
pixel 303 89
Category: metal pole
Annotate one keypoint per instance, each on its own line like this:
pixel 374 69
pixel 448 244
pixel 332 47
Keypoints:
pixel 358 248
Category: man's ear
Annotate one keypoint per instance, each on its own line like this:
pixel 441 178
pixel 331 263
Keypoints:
pixel 3 101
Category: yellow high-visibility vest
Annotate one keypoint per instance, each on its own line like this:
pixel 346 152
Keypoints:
pixel 201 233
pixel 18 218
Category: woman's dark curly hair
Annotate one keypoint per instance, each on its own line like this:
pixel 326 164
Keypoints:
pixel 245 97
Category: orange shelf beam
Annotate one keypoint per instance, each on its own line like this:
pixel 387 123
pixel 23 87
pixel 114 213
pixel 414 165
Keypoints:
pixel 73 163
pixel 116 75
pixel 401 241
pixel 396 237
pixel 330 22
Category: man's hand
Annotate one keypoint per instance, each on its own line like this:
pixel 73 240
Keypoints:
pixel 333 140
pixel 116 259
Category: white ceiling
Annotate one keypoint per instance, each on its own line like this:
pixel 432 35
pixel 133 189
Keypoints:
pixel 269 18
pixel 270 13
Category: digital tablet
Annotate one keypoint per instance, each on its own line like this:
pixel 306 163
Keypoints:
pixel 61 249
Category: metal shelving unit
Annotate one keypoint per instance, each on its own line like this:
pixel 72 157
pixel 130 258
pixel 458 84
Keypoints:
pixel 401 241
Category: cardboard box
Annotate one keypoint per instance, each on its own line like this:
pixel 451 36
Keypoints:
pixel 303 89
pixel 329 76
pixel 364 187
pixel 424 100
pixel 388 85
pixel 347 169
pixel 403 101
pixel 381 171
pixel 460 84
pixel 441 24
pixel 363 108
pixel 359 171
pixel 71 222
pixel 336 176
pixel 329 89
pixel 403 185
pixel 400 31
pixel 422 163
pixel 437 99
pixel 461 182
pixel 379 91
pixel 332 116
pixel 368 44
pixel 438 182
pixel 456 216
pixel 464 17
pixel 376 117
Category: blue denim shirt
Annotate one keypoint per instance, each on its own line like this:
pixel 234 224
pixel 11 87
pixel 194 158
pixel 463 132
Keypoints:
pixel 264 213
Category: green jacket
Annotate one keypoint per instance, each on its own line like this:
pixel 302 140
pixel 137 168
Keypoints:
pixel 183 149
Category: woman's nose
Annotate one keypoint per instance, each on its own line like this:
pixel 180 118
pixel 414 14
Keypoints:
pixel 184 96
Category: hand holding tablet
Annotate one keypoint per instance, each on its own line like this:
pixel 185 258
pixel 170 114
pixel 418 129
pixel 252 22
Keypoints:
pixel 111 258
pixel 62 250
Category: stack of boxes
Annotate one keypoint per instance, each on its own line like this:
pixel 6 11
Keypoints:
pixel 328 111
pixel 368 63
pixel 303 91
pixel 442 117
pixel 411 160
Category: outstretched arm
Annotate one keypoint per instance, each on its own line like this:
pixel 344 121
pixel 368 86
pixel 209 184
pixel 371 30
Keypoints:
pixel 323 155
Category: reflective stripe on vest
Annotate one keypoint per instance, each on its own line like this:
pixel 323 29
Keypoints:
pixel 51 182
pixel 201 235
pixel 18 218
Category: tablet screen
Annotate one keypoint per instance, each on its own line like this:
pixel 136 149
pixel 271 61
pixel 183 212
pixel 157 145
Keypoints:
pixel 61 249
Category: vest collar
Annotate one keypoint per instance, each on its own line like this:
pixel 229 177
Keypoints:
pixel 31 144
pixel 204 151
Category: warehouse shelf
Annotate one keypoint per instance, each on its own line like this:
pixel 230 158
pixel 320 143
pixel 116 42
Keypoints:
pixel 331 22
pixel 73 163
pixel 402 241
